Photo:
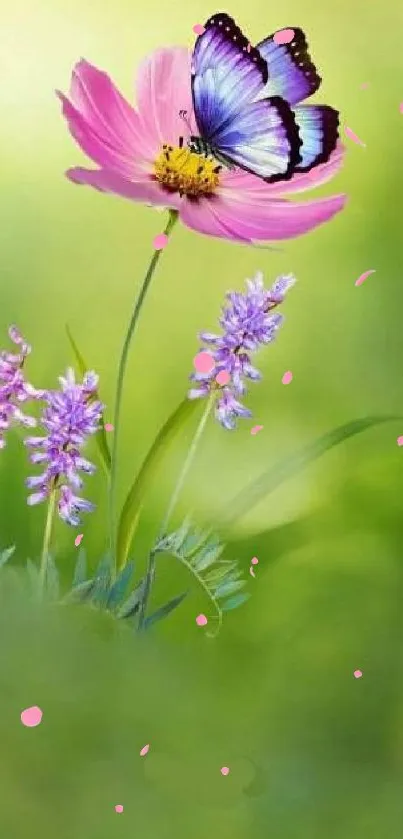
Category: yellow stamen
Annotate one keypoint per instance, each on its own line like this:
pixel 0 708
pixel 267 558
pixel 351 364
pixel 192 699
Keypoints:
pixel 180 170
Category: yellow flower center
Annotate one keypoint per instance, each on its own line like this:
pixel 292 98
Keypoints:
pixel 184 171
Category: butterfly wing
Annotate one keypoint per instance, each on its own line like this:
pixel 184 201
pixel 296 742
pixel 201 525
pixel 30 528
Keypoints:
pixel 292 74
pixel 318 130
pixel 228 74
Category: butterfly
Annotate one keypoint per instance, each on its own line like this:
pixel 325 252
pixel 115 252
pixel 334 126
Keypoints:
pixel 247 102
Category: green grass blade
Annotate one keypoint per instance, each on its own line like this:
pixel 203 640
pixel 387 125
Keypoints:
pixel 165 610
pixel 100 437
pixel 276 475
pixel 131 508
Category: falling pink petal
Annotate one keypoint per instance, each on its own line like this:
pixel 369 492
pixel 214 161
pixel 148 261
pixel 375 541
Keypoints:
pixel 204 362
pixel 160 241
pixel 284 36
pixel 78 539
pixel 287 378
pixel 119 808
pixel 401 107
pixel 144 750
pixel 201 620
pixel 364 276
pixel 357 674
pixel 256 429
pixel 254 560
pixel 198 29
pixel 400 440
pixel 223 377
pixel 31 716
pixel 353 137
pixel 224 770
pixel 251 572
pixel 108 426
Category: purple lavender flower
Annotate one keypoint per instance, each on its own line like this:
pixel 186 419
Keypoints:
pixel 71 415
pixel 14 389
pixel 247 322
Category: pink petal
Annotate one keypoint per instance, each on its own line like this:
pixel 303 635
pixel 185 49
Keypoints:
pixel 105 109
pixel 163 89
pixel 301 181
pixel 200 216
pixel 235 216
pixel 144 750
pixel 105 180
pixel 363 277
pixel 350 133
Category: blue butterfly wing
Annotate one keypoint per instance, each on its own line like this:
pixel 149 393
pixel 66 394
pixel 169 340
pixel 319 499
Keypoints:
pixel 292 74
pixel 318 130
pixel 228 75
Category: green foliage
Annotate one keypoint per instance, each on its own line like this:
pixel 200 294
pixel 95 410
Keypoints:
pixel 132 506
pixel 201 554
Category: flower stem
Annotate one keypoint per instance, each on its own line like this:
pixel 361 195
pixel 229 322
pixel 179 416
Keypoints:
pixel 150 572
pixel 120 381
pixel 46 539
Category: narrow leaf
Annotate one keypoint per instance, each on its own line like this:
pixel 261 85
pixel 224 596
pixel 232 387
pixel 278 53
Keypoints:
pixel 102 579
pixel 119 587
pixel 80 571
pixel 207 556
pixel 229 587
pixel 234 602
pixel 100 437
pixel 52 579
pixel 80 593
pixel 276 475
pixel 131 508
pixel 6 555
pixel 165 610
pixel 132 604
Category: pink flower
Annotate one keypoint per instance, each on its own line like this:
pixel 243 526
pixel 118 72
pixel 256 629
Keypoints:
pixel 139 157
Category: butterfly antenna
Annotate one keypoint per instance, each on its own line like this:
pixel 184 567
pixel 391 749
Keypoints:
pixel 184 115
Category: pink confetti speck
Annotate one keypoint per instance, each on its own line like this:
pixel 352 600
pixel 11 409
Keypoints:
pixel 31 716
pixel 198 29
pixel 256 429
pixel 144 750
pixel 353 137
pixel 78 539
pixel 108 426
pixel 201 620
pixel 357 674
pixel 223 377
pixel 251 572
pixel 160 241
pixel 204 362
pixel 254 560
pixel 400 440
pixel 285 36
pixel 224 770
pixel 364 276
pixel 287 378
pixel 119 808
pixel 364 85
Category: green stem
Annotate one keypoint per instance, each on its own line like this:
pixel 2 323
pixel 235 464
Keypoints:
pixel 150 572
pixel 120 381
pixel 46 539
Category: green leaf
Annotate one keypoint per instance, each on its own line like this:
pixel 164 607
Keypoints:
pixel 165 610
pixel 207 556
pixel 6 555
pixel 132 604
pixel 80 571
pixel 34 578
pixel 119 586
pixel 52 579
pixel 102 580
pixel 132 506
pixel 100 437
pixel 234 602
pixel 276 475
pixel 229 587
pixel 80 593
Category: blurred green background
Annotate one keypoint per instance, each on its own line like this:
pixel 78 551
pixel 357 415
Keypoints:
pixel 312 751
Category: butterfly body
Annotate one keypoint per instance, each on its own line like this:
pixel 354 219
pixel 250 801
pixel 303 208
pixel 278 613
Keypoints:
pixel 247 102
